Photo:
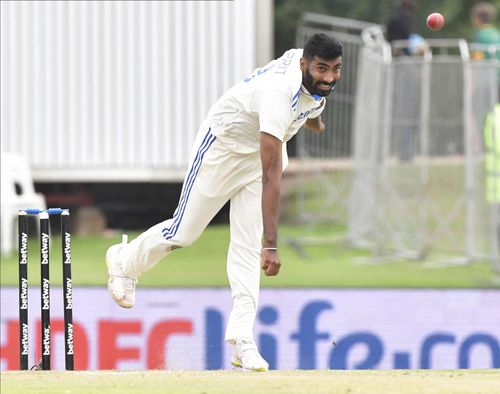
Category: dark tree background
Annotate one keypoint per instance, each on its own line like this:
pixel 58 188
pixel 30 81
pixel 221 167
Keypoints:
pixel 456 13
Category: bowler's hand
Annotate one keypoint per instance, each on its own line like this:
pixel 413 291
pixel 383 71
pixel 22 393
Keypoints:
pixel 270 262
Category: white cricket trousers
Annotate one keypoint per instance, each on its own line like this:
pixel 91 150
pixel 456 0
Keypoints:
pixel 215 175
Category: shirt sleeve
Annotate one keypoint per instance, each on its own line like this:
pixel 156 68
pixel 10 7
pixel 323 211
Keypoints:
pixel 275 113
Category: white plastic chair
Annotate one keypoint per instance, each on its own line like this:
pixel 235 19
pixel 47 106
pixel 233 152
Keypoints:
pixel 17 192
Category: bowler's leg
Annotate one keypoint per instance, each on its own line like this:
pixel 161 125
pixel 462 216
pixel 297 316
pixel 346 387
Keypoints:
pixel 189 221
pixel 197 206
pixel 243 269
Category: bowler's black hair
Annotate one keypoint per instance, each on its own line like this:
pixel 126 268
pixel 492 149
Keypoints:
pixel 322 46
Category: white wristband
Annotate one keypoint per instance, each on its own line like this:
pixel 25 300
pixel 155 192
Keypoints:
pixel 276 249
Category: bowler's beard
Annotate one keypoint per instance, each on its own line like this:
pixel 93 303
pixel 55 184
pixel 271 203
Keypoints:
pixel 315 88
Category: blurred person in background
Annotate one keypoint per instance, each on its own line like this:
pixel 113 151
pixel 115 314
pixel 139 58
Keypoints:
pixel 486 34
pixel 483 17
pixel 401 26
pixel 239 155
pixel 485 44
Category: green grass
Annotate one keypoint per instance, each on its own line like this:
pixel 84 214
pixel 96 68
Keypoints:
pixel 208 382
pixel 203 264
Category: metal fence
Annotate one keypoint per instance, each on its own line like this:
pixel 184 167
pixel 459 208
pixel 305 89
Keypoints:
pixel 424 185
pixel 325 159
pixel 411 182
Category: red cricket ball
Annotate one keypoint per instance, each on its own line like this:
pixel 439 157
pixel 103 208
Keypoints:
pixel 435 21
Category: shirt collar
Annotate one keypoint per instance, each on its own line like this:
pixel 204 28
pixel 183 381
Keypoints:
pixel 314 96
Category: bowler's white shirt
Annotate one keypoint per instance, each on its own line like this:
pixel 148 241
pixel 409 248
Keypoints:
pixel 271 100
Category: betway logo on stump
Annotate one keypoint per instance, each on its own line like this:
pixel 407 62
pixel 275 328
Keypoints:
pixel 24 293
pixel 46 341
pixel 24 340
pixel 70 339
pixel 24 249
pixel 67 248
pixel 45 295
pixel 45 249
pixel 69 294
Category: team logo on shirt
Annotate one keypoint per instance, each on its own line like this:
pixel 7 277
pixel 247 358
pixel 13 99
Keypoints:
pixel 305 114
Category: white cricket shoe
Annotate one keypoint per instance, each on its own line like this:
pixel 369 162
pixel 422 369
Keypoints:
pixel 246 356
pixel 120 286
